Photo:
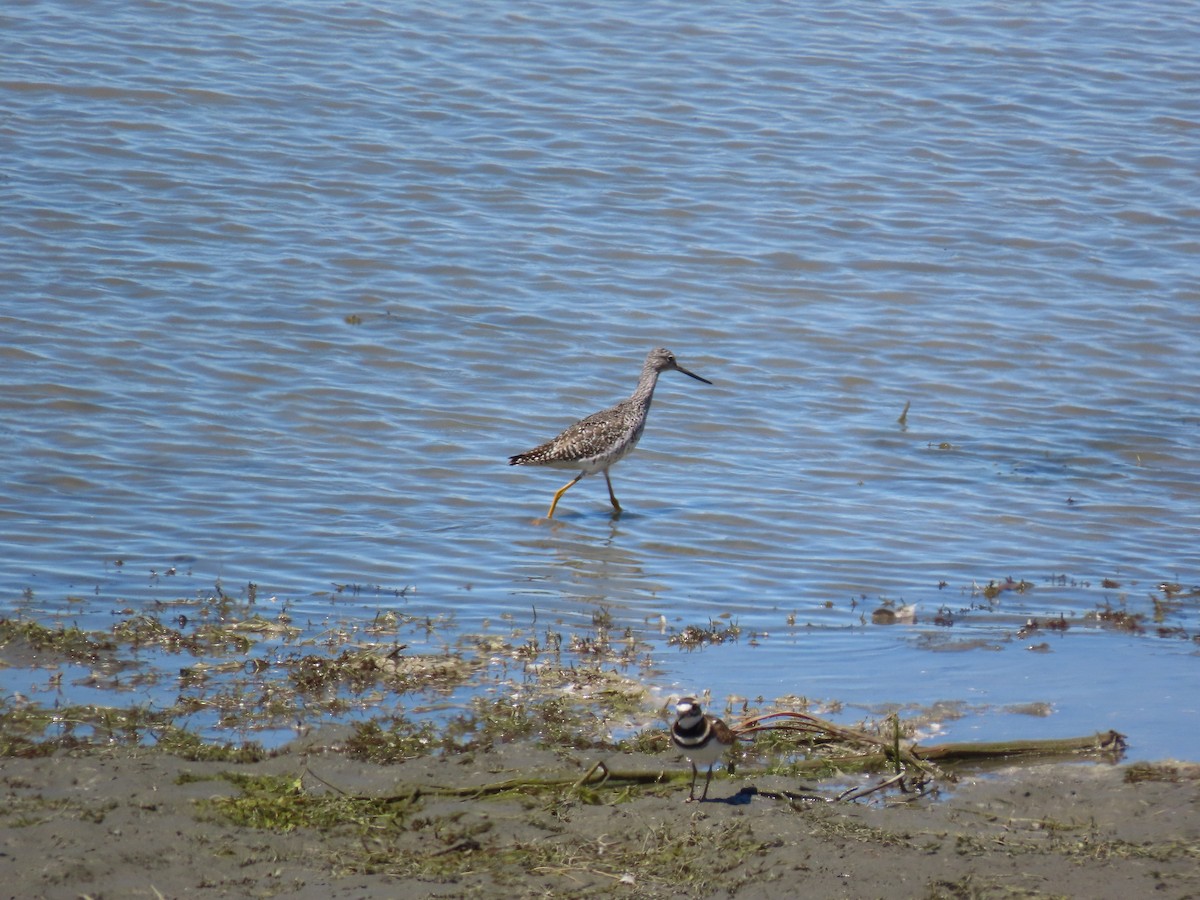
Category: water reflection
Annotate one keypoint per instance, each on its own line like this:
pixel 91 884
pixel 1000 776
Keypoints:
pixel 581 565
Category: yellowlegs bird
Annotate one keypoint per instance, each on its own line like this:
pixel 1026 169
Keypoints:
pixel 598 442
pixel 701 738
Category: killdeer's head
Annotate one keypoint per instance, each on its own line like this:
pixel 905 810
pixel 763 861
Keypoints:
pixel 689 712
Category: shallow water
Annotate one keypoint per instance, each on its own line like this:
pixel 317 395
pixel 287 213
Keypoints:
pixel 286 284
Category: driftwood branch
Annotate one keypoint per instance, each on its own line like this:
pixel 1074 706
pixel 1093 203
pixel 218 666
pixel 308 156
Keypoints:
pixel 1105 742
pixel 914 766
pixel 891 747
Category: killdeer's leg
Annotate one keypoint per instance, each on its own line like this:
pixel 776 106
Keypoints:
pixel 704 796
pixel 692 790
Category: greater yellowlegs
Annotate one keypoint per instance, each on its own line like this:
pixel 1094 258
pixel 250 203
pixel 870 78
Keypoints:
pixel 701 738
pixel 603 439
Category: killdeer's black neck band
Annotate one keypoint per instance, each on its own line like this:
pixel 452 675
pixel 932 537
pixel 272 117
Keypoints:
pixel 693 734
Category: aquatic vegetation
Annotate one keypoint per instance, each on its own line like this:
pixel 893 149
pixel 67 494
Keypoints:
pixel 216 665
pixel 239 671
pixel 993 589
pixel 71 643
pixel 693 636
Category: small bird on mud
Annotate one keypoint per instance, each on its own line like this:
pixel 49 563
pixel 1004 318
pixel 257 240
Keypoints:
pixel 702 738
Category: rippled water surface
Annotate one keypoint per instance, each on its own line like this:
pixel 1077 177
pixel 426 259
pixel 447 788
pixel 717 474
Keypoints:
pixel 285 284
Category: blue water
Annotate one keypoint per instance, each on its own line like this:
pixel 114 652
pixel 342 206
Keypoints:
pixel 285 284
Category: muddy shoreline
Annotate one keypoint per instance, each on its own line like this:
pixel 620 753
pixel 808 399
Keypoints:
pixel 135 822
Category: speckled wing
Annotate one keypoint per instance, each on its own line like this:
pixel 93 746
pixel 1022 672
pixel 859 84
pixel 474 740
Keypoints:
pixel 602 437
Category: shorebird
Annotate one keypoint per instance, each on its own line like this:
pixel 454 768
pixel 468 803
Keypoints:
pixel 603 439
pixel 701 738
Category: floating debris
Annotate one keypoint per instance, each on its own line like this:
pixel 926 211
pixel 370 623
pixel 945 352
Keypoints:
pixel 694 636
pixel 899 615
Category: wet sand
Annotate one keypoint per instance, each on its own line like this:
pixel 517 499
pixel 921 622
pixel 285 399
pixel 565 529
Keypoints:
pixel 139 823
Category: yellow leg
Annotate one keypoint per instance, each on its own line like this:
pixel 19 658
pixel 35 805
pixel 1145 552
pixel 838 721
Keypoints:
pixel 611 495
pixel 563 490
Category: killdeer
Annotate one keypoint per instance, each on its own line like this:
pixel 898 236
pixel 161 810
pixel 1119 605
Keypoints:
pixel 703 739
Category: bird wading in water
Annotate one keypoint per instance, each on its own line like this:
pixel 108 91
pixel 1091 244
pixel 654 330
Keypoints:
pixel 603 439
